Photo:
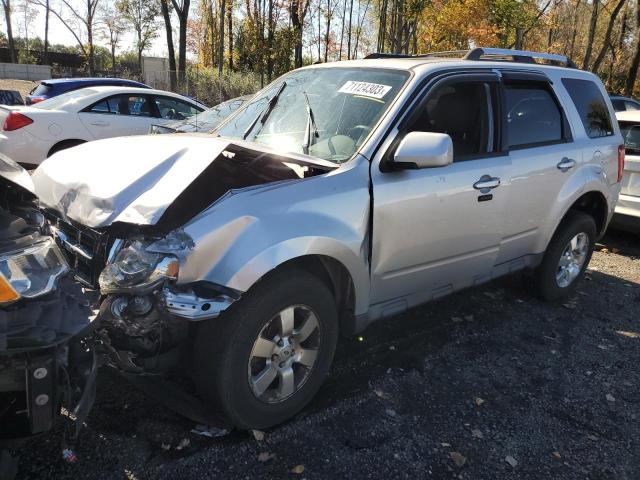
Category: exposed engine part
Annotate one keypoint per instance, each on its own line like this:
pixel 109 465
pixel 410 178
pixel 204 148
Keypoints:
pixel 189 305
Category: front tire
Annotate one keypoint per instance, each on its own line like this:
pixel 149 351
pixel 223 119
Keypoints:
pixel 264 359
pixel 567 257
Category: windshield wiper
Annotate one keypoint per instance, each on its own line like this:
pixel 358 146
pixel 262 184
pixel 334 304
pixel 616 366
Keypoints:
pixel 262 116
pixel 311 130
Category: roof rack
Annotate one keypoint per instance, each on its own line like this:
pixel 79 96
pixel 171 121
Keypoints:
pixel 484 53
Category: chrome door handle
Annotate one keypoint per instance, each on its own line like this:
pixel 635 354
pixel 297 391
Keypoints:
pixel 487 182
pixel 566 164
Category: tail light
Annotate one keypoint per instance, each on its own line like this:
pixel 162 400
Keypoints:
pixel 620 161
pixel 16 120
pixel 34 100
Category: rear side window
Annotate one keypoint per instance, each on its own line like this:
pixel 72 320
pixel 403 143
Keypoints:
pixel 591 106
pixel 533 115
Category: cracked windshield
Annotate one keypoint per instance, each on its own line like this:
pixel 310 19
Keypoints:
pixel 323 112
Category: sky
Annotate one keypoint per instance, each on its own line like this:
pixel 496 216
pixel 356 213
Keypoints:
pixel 58 33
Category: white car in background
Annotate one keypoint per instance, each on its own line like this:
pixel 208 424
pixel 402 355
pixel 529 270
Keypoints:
pixel 627 214
pixel 31 134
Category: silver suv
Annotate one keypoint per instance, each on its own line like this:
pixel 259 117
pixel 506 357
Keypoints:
pixel 340 194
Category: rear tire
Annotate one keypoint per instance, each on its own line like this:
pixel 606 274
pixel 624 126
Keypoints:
pixel 247 365
pixel 566 257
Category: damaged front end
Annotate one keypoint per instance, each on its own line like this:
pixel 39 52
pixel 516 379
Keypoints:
pixel 47 363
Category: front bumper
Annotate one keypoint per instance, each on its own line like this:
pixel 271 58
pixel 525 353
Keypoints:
pixel 47 362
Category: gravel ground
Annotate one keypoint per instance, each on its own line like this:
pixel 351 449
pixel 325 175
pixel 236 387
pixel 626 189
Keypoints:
pixel 487 384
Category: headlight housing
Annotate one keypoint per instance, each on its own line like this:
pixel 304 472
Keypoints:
pixel 135 270
pixel 30 272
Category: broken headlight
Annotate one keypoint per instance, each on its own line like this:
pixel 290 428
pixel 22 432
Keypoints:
pixel 30 272
pixel 136 269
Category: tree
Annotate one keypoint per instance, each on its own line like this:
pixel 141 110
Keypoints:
pixel 6 5
pixel 114 27
pixel 142 15
pixel 632 74
pixel 592 32
pixel 182 11
pixel 86 17
pixel 165 8
pixel 221 13
pixel 607 36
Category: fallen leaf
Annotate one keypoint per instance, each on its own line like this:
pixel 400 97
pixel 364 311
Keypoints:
pixel 605 250
pixel 265 456
pixel 381 394
pixel 511 461
pixel 184 443
pixel 166 446
pixel 624 333
pixel 390 412
pixel 298 469
pixel 477 433
pixel 258 435
pixel 458 458
pixel 610 398
pixel 557 454
pixel 445 444
pixel 479 401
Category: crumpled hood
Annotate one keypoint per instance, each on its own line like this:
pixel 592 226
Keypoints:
pixel 136 179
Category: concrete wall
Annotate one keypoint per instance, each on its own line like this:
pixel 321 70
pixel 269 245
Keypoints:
pixel 19 71
pixel 155 71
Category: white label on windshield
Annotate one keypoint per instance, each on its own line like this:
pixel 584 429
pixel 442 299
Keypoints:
pixel 367 89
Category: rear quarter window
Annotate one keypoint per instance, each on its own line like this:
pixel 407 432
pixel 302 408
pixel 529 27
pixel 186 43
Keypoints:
pixel 591 106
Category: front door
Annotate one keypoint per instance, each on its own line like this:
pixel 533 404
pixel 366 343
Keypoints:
pixel 437 230
pixel 119 116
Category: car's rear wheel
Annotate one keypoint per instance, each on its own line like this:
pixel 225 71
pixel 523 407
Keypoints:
pixel 266 357
pixel 567 256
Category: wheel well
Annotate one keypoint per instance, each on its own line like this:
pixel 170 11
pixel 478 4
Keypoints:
pixel 595 205
pixel 336 277
pixel 64 144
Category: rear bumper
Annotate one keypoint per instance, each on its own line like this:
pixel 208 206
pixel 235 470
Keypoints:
pixel 22 147
pixel 628 205
pixel 45 364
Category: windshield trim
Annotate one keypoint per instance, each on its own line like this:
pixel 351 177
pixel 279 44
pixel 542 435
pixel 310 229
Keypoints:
pixel 408 81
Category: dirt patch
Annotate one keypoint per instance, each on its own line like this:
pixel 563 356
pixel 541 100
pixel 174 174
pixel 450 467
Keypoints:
pixel 22 86
pixel 490 383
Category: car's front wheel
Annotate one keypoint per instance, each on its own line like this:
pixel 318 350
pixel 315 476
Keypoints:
pixel 567 256
pixel 266 357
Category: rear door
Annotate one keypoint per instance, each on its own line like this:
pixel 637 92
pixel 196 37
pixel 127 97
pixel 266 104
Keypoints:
pixel 119 115
pixel 544 157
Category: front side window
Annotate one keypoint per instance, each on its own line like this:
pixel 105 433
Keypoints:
pixel 134 105
pixel 591 106
pixel 172 109
pixel 345 105
pixel 533 116
pixel 464 111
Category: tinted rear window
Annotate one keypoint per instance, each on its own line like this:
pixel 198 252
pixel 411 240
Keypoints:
pixel 591 106
pixel 41 89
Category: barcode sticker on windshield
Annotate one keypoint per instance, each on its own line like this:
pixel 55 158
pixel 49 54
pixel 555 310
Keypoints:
pixel 367 89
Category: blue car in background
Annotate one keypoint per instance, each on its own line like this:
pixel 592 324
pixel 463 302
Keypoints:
pixel 52 88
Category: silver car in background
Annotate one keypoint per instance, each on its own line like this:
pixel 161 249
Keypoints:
pixel 340 194
pixel 628 208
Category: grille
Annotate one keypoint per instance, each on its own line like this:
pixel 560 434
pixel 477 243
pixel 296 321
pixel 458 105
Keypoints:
pixel 84 248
